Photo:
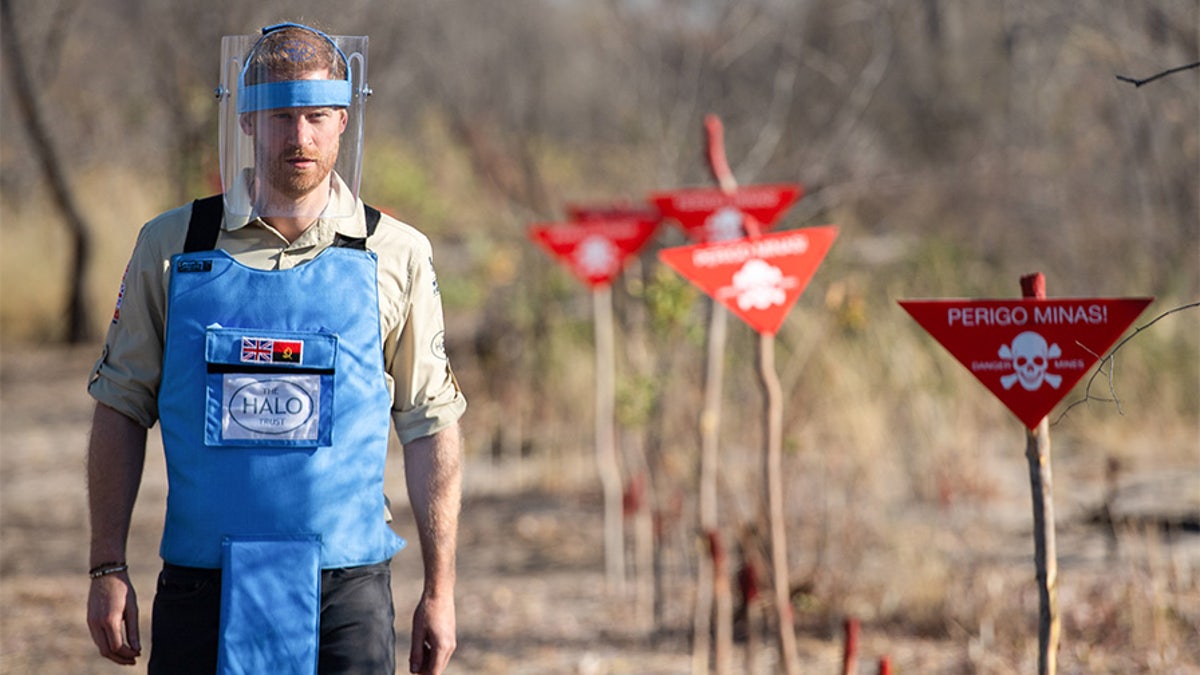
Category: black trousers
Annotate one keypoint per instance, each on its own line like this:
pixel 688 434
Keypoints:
pixel 357 621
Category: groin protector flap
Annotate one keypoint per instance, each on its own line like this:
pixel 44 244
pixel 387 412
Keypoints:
pixel 270 605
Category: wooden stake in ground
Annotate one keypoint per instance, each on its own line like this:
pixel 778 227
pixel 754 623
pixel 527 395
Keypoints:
pixel 606 447
pixel 1037 452
pixel 774 479
pixel 619 236
pixel 850 649
pixel 1070 335
pixel 714 598
pixel 773 430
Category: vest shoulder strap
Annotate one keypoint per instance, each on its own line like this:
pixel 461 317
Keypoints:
pixel 372 216
pixel 205 226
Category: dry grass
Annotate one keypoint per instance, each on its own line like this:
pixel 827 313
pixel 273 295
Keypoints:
pixel 941 579
pixel 907 491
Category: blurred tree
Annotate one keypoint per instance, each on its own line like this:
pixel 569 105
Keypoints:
pixel 78 328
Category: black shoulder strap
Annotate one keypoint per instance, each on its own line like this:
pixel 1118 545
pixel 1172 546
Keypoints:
pixel 372 217
pixel 205 224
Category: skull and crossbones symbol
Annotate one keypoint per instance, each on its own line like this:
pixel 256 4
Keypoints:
pixel 758 285
pixel 1030 356
pixel 596 256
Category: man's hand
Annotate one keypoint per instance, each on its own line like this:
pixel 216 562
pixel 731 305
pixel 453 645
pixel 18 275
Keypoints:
pixel 113 618
pixel 433 472
pixel 433 636
pixel 116 453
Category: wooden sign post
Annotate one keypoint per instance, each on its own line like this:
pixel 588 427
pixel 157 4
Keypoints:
pixel 712 215
pixel 1041 483
pixel 757 277
pixel 596 250
pixel 1030 352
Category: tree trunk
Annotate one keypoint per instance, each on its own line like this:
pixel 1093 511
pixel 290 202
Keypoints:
pixel 79 328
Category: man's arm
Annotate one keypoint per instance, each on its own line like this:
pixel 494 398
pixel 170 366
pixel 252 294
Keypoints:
pixel 116 454
pixel 433 473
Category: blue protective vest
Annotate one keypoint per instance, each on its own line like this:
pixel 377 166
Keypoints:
pixel 274 407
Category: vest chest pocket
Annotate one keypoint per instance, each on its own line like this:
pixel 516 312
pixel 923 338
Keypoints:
pixel 269 388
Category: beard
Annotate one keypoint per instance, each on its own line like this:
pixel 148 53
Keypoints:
pixel 296 181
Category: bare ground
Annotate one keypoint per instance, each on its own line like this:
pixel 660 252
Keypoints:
pixel 532 591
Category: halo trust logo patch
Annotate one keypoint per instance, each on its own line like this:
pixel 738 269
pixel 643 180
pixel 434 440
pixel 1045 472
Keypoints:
pixel 274 407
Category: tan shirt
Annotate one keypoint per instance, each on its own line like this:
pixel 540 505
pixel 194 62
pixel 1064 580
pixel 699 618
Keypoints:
pixel 425 394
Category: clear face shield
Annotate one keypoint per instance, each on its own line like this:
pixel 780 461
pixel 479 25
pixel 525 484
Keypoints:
pixel 291 122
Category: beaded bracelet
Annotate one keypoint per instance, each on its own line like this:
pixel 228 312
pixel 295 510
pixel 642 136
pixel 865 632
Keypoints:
pixel 104 569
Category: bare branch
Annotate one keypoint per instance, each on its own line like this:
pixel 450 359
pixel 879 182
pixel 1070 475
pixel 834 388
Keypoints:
pixel 1137 83
pixel 1110 360
pixel 870 78
pixel 54 173
pixel 775 125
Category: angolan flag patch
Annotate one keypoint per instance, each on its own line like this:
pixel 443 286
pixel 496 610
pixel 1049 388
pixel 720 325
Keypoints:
pixel 270 350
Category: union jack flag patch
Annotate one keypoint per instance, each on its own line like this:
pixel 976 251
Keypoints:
pixel 257 350
pixel 270 350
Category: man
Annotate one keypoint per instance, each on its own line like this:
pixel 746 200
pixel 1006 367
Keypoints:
pixel 274 333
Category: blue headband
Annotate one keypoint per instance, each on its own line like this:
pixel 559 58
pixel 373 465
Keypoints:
pixel 294 93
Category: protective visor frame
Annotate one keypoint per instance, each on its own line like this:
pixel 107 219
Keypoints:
pixel 294 93
pixel 237 148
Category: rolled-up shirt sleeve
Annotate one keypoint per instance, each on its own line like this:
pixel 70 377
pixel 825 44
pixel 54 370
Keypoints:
pixel 426 397
pixel 128 372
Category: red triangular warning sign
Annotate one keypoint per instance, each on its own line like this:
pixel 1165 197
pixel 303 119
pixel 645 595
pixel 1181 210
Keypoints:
pixel 710 214
pixel 595 250
pixel 579 213
pixel 758 279
pixel 1028 352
